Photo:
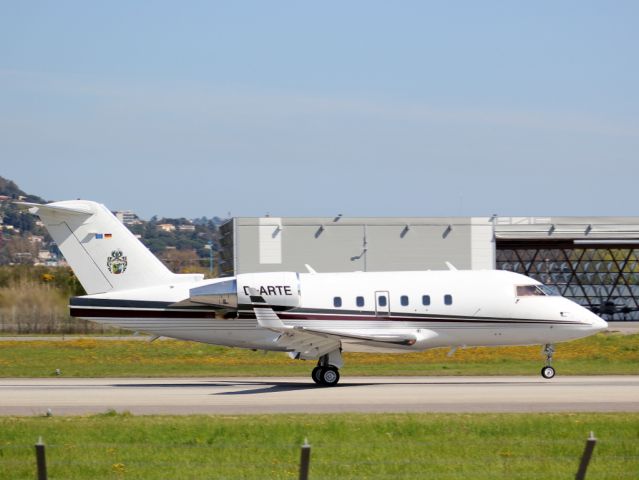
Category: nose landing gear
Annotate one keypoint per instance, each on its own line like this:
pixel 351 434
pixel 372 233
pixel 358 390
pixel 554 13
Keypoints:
pixel 548 371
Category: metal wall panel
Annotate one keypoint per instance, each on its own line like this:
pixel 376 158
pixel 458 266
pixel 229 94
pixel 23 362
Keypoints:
pixel 342 245
pixel 226 255
pixel 417 247
pixel 270 241
pixel 247 249
pixel 326 248
pixel 482 244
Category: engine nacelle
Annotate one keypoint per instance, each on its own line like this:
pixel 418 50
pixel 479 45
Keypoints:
pixel 281 289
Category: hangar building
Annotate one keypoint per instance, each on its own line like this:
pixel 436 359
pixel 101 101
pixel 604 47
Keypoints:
pixel 592 260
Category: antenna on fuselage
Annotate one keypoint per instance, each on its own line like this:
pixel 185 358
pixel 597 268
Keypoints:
pixel 451 266
pixel 310 269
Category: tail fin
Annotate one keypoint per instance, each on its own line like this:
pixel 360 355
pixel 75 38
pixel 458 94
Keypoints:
pixel 103 253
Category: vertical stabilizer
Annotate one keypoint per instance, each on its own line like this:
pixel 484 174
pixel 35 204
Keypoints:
pixel 102 252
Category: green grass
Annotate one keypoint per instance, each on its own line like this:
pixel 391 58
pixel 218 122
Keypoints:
pixel 599 354
pixel 479 446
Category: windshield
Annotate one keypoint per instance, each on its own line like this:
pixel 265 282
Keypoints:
pixel 548 290
pixel 536 290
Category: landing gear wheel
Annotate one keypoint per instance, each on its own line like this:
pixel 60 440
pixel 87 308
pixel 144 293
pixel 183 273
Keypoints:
pixel 316 375
pixel 329 376
pixel 548 372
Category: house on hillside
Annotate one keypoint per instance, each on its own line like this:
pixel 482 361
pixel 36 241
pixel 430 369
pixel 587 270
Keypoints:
pixel 166 227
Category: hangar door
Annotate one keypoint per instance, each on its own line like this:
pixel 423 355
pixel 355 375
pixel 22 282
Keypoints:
pixel 602 277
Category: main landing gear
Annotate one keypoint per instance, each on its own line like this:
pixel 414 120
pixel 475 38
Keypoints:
pixel 548 372
pixel 325 374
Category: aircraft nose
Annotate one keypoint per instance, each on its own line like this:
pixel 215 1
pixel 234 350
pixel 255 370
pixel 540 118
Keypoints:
pixel 598 324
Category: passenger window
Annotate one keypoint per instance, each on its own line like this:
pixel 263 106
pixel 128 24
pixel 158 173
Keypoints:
pixel 359 301
pixel 425 299
pixel 404 300
pixel 337 302
pixel 381 300
pixel 448 299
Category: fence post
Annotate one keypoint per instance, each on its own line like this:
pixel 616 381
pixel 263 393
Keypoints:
pixel 585 458
pixel 41 460
pixel 305 460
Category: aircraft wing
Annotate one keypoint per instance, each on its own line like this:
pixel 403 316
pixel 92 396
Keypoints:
pixel 308 344
pixel 314 342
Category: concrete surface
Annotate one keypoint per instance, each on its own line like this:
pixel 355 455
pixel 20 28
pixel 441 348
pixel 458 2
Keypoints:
pixel 66 396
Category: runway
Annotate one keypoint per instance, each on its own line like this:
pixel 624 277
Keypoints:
pixel 71 396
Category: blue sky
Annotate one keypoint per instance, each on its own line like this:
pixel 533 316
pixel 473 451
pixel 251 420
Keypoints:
pixel 298 108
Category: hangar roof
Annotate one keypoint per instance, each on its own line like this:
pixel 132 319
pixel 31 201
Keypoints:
pixel 510 228
pixel 576 228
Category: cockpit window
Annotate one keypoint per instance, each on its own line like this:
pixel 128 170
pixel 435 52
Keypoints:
pixel 528 291
pixel 536 290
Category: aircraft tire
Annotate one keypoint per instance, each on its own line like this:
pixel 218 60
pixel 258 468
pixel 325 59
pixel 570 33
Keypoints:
pixel 329 376
pixel 316 375
pixel 547 372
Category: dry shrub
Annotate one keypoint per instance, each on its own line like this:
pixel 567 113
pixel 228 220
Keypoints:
pixel 28 306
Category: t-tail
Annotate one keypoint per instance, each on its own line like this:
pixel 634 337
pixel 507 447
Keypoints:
pixel 103 253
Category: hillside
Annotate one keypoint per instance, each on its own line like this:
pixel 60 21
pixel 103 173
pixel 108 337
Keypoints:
pixel 9 189
pixel 182 244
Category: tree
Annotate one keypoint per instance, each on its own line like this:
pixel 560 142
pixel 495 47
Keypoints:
pixel 18 250
pixel 178 261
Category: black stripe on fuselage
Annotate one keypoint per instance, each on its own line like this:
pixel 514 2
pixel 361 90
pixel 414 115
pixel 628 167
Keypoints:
pixel 300 314
pixel 87 302
pixel 117 303
pixel 370 315
pixel 421 318
pixel 138 313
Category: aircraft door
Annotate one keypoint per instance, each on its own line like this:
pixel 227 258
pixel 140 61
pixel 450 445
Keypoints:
pixel 382 303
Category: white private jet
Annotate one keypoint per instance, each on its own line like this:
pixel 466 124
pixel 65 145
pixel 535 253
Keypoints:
pixel 312 316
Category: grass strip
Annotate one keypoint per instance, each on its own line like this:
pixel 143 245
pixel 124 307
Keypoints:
pixel 599 354
pixel 478 446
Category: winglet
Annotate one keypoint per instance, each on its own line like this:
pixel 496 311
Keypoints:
pixel 265 315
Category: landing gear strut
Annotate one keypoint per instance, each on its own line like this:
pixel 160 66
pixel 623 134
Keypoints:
pixel 325 374
pixel 548 372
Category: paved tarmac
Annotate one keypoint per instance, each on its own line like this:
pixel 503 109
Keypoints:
pixel 70 396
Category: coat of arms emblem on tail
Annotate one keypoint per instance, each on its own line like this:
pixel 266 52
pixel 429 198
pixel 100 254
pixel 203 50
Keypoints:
pixel 116 263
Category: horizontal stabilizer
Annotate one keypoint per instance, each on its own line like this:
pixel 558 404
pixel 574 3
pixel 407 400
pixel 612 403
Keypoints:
pixel 35 208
